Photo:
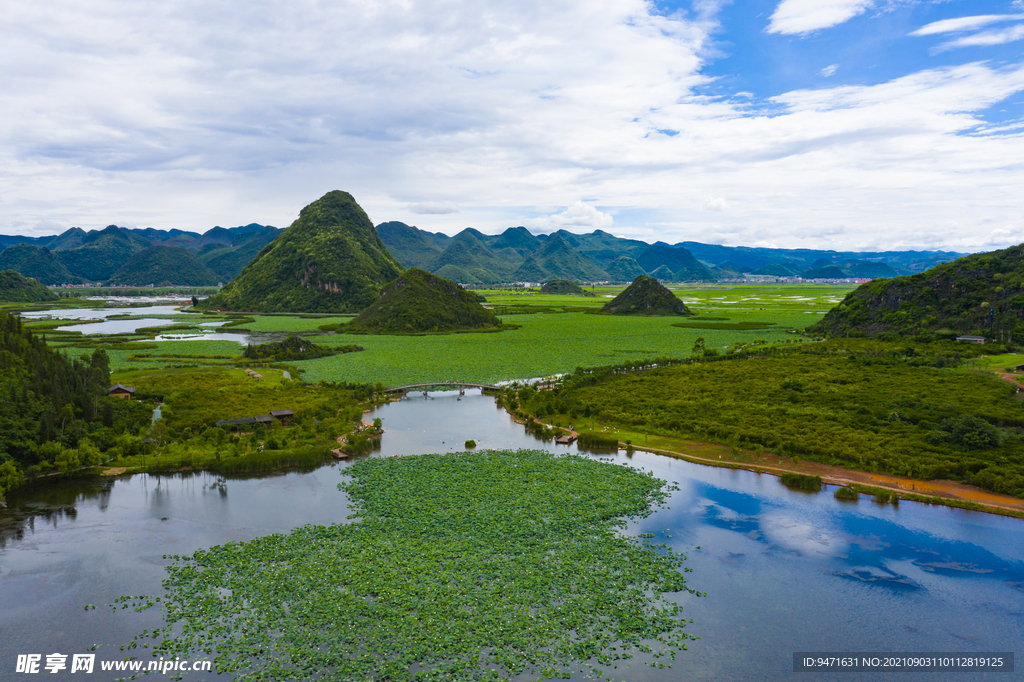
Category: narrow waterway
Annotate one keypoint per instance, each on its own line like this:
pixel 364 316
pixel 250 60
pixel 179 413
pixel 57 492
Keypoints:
pixel 783 571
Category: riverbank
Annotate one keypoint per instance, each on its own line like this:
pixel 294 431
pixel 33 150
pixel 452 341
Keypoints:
pixel 947 493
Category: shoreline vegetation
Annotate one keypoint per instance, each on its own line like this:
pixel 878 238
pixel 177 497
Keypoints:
pixel 973 434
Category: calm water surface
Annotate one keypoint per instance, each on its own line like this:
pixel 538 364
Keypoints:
pixel 784 571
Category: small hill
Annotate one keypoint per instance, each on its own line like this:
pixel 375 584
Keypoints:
pixel 663 273
pixel 38 262
pixel 678 260
pixel 164 264
pixel 330 260
pixel 561 286
pixel 624 269
pixel 409 245
pixel 646 296
pixel 294 348
pixel 14 288
pixel 979 294
pixel 419 302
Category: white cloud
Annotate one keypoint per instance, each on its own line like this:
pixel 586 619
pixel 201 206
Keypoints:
pixel 435 208
pixel 987 38
pixel 716 204
pixel 193 114
pixel 804 16
pixel 964 24
pixel 578 215
pixel 829 70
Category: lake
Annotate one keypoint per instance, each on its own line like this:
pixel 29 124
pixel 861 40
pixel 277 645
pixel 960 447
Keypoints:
pixel 784 571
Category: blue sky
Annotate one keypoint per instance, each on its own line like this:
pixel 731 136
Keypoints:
pixel 847 124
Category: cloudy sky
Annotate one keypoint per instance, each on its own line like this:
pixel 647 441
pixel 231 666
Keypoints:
pixel 848 124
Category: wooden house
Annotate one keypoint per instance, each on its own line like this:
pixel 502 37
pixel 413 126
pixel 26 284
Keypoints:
pixel 283 416
pixel 121 391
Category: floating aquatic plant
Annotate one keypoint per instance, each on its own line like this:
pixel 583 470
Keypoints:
pixel 468 566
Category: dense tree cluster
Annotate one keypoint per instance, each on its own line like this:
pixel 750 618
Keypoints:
pixel 54 412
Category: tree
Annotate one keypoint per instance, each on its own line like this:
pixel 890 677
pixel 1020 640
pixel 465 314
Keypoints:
pixel 10 477
pixel 698 346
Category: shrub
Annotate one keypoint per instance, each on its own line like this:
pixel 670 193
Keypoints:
pixel 589 439
pixel 802 482
pixel 847 494
pixel 470 444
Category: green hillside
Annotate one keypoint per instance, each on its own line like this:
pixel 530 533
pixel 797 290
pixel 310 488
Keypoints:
pixel 468 253
pixel 69 239
pixel 38 262
pixel 102 253
pixel 980 294
pixel 646 296
pixel 164 265
pixel 419 302
pixel 514 244
pixel 778 270
pixel 556 258
pixel 330 260
pixel 679 261
pixel 410 246
pixel 15 288
pixel 226 261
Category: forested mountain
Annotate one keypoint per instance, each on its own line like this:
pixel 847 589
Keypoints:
pixel 474 258
pixel 557 259
pixel 680 262
pixel 330 259
pixel 978 294
pixel 54 413
pixel 14 288
pixel 419 302
pixel 76 255
pixel 102 252
pixel 227 260
pixel 470 257
pixel 38 262
pixel 159 264
pixel 752 258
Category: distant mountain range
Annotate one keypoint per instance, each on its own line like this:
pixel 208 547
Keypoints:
pixel 517 255
pixel 136 257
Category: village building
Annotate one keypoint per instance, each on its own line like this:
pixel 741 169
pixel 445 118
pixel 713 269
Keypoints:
pixel 121 391
pixel 972 339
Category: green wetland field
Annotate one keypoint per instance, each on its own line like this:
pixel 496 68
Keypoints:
pixel 554 335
